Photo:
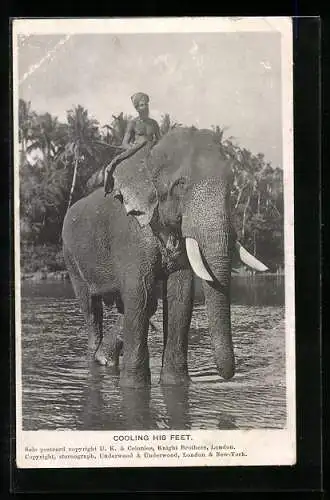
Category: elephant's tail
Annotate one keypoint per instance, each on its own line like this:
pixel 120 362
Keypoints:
pixel 165 317
pixel 71 265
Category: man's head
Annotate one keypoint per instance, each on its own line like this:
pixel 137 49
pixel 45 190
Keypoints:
pixel 141 103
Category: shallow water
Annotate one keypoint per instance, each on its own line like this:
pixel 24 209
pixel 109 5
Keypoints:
pixel 63 390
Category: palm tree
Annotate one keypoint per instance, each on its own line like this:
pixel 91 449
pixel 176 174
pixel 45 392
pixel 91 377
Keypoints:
pixel 26 119
pixel 165 124
pixel 226 145
pixel 117 128
pixel 47 134
pixel 83 143
pixel 219 133
pixel 107 133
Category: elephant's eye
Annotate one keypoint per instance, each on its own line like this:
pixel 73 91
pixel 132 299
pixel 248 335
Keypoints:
pixel 118 196
pixel 135 212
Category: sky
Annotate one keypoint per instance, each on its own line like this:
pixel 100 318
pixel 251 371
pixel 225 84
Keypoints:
pixel 228 79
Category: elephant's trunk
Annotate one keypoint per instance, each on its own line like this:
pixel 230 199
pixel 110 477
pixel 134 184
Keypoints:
pixel 210 242
pixel 217 298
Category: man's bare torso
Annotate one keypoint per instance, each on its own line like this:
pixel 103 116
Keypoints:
pixel 140 130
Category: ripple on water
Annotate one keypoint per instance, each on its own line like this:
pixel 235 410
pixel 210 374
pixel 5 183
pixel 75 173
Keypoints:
pixel 61 390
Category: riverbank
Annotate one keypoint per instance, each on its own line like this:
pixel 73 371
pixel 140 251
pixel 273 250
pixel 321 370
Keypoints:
pixel 46 263
pixel 46 276
pixel 42 262
pixel 63 275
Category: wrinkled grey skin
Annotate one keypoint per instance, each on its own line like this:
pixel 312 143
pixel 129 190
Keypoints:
pixel 114 251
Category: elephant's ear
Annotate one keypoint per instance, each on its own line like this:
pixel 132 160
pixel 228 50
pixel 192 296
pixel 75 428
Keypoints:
pixel 138 193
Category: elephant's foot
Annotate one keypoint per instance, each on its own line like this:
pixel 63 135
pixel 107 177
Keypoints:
pixel 174 371
pixel 100 357
pixel 136 379
pixel 225 362
pixel 174 378
pixel 105 354
pixel 115 354
pixel 92 345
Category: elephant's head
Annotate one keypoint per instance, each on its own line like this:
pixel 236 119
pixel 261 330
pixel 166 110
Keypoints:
pixel 184 188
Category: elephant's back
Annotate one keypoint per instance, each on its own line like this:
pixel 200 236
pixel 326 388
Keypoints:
pixel 95 235
pixel 93 219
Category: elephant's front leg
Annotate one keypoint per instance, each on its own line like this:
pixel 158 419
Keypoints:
pixel 180 296
pixel 135 370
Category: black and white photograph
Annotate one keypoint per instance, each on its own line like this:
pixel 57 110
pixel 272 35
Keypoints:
pixel 154 269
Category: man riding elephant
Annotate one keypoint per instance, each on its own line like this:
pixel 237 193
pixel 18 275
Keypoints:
pixel 142 127
pixel 139 131
pixel 116 251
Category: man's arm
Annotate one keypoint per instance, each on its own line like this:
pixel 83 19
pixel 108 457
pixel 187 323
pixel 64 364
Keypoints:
pixel 128 135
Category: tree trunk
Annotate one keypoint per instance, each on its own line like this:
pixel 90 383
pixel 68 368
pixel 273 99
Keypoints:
pixel 239 197
pixel 74 180
pixel 255 231
pixel 244 216
pixel 165 317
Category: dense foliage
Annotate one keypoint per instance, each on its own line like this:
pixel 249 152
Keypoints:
pixel 57 159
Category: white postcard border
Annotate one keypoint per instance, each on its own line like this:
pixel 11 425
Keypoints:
pixel 235 447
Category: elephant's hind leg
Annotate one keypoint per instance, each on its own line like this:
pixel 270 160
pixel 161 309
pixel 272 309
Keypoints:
pixel 105 352
pixel 95 329
pixel 92 309
pixel 114 338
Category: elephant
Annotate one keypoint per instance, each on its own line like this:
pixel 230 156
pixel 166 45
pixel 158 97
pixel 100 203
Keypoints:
pixel 167 217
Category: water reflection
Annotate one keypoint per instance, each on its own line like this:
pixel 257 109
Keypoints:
pixel 62 389
pixel 251 290
pixel 135 404
pixel 245 290
pixel 227 422
pixel 102 411
pixel 50 289
pixel 106 405
pixel 177 404
pixel 93 407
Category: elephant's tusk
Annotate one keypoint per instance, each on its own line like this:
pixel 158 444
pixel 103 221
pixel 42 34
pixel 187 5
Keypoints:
pixel 195 259
pixel 249 259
